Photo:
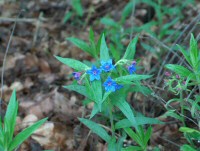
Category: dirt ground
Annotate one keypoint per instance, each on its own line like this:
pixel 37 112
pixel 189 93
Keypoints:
pixel 38 77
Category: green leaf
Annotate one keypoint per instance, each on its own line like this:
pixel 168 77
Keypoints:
pixel 127 10
pixel 140 88
pixel 76 5
pixel 195 107
pixel 120 141
pixel 132 148
pixel 126 110
pixel 186 54
pixel 172 113
pixel 167 105
pixel 81 44
pixel 67 16
pixel 11 114
pixel 75 64
pixel 22 136
pixel 97 92
pixel 193 52
pixel 130 51
pixel 95 110
pixel 109 22
pixel 147 135
pixel 95 128
pixel 140 121
pixel 188 130
pixel 182 71
pixel 134 136
pixel 186 147
pixel 129 78
pixel 112 145
pixel 80 89
pixel 104 54
pixel 91 35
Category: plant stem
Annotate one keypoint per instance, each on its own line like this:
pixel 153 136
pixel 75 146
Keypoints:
pixel 111 119
pixel 182 106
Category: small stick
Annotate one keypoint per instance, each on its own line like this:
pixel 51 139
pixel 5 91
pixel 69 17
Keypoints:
pixel 4 59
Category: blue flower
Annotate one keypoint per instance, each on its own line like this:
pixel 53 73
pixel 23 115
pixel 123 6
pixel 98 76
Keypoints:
pixel 132 67
pixel 107 65
pixel 118 86
pixel 110 85
pixel 94 73
pixel 76 75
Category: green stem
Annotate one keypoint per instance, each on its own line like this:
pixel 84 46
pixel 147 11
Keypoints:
pixel 182 106
pixel 111 119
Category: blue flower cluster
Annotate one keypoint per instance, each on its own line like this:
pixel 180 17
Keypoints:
pixel 106 66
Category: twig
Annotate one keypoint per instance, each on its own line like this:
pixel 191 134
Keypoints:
pixel 170 142
pixel 37 28
pixel 4 59
pixel 158 80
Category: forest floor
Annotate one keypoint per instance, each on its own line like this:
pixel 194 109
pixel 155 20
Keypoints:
pixel 38 77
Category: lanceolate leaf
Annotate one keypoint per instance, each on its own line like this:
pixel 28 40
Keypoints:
pixel 97 92
pixel 186 147
pixel 134 136
pixel 104 54
pixel 95 128
pixel 186 54
pixel 148 135
pixel 95 110
pixel 182 71
pixel 126 110
pixel 80 89
pixel 22 136
pixel 81 44
pixel 75 64
pixel 140 121
pixel 130 51
pixel 134 77
pixel 11 114
pixel 193 51
pixel 112 145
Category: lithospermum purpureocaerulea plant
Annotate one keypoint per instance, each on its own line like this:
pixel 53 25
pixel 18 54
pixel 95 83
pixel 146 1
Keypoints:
pixel 106 83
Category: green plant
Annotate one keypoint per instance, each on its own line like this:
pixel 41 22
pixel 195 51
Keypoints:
pixel 76 11
pixel 117 31
pixel 107 83
pixel 7 141
pixel 181 84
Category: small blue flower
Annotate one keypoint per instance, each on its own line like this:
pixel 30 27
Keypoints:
pixel 77 75
pixel 94 73
pixel 118 86
pixel 107 65
pixel 110 85
pixel 132 67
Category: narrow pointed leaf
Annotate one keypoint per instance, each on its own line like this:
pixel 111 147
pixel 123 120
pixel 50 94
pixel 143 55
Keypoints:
pixel 193 51
pixel 95 128
pixel 182 71
pixel 130 51
pixel 104 54
pixel 112 145
pixel 11 114
pixel 126 110
pixel 80 89
pixel 75 64
pixel 22 136
pixel 81 44
pixel 130 78
pixel 140 121
pixel 95 110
